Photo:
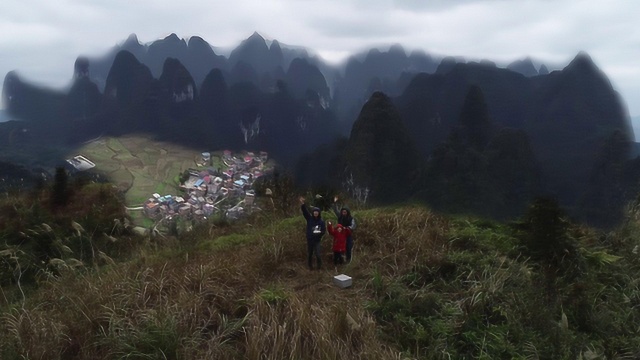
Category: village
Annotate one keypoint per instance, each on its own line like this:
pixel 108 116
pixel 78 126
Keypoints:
pixel 225 189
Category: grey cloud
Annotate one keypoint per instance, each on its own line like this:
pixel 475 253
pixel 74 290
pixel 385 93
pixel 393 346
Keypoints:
pixel 357 28
pixel 433 5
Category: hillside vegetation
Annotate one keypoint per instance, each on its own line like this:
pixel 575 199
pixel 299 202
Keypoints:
pixel 424 286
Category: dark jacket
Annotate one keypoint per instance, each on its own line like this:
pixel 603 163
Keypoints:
pixel 346 221
pixel 315 225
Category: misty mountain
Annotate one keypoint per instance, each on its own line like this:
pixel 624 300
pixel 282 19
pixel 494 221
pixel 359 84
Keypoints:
pixel 459 135
pixel 178 87
pixel 380 156
pixel 84 97
pixel 199 57
pixel 196 54
pixel 572 111
pixel 524 67
pixel 477 168
pixel 255 53
pixel 303 77
pixel 30 102
pixel 101 66
pixel 131 96
pixel 169 47
pixel 377 71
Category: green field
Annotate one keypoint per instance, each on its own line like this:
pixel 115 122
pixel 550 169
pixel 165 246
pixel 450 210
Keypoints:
pixel 140 166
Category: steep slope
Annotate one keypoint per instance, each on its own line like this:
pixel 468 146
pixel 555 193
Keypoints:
pixel 131 95
pixel 380 155
pixel 303 77
pixel 83 98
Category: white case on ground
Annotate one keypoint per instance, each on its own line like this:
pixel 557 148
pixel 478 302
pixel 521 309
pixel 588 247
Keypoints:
pixel 342 281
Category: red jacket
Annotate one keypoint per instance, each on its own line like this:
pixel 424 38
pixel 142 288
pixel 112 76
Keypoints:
pixel 339 237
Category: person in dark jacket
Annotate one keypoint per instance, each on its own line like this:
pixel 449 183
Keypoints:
pixel 315 230
pixel 345 219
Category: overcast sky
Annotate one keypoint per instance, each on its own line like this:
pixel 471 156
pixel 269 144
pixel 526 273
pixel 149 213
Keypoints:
pixel 42 38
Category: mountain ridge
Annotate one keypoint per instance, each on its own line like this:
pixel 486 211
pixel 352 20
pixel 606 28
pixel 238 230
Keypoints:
pixel 253 99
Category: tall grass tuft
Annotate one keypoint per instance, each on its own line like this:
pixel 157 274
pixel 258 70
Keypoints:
pixel 301 329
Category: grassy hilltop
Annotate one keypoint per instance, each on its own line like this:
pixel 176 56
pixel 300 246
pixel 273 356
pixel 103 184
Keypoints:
pixel 425 286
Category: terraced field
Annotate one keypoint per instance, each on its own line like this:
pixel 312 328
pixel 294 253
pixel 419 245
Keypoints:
pixel 141 166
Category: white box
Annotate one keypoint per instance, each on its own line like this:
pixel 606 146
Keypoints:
pixel 342 281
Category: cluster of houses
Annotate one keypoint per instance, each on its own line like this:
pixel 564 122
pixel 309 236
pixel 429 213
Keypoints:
pixel 213 190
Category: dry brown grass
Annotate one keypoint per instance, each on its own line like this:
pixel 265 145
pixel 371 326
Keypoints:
pixel 251 301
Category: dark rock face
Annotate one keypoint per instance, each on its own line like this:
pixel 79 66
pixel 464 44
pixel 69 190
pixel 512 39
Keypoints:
pixel 303 77
pixel 177 84
pixel 83 100
pixel 179 94
pixel 128 80
pixel 380 154
pixel 131 95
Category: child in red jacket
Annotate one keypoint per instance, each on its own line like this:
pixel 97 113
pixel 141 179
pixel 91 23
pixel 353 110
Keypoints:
pixel 340 234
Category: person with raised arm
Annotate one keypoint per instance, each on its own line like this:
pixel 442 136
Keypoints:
pixel 346 220
pixel 315 230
